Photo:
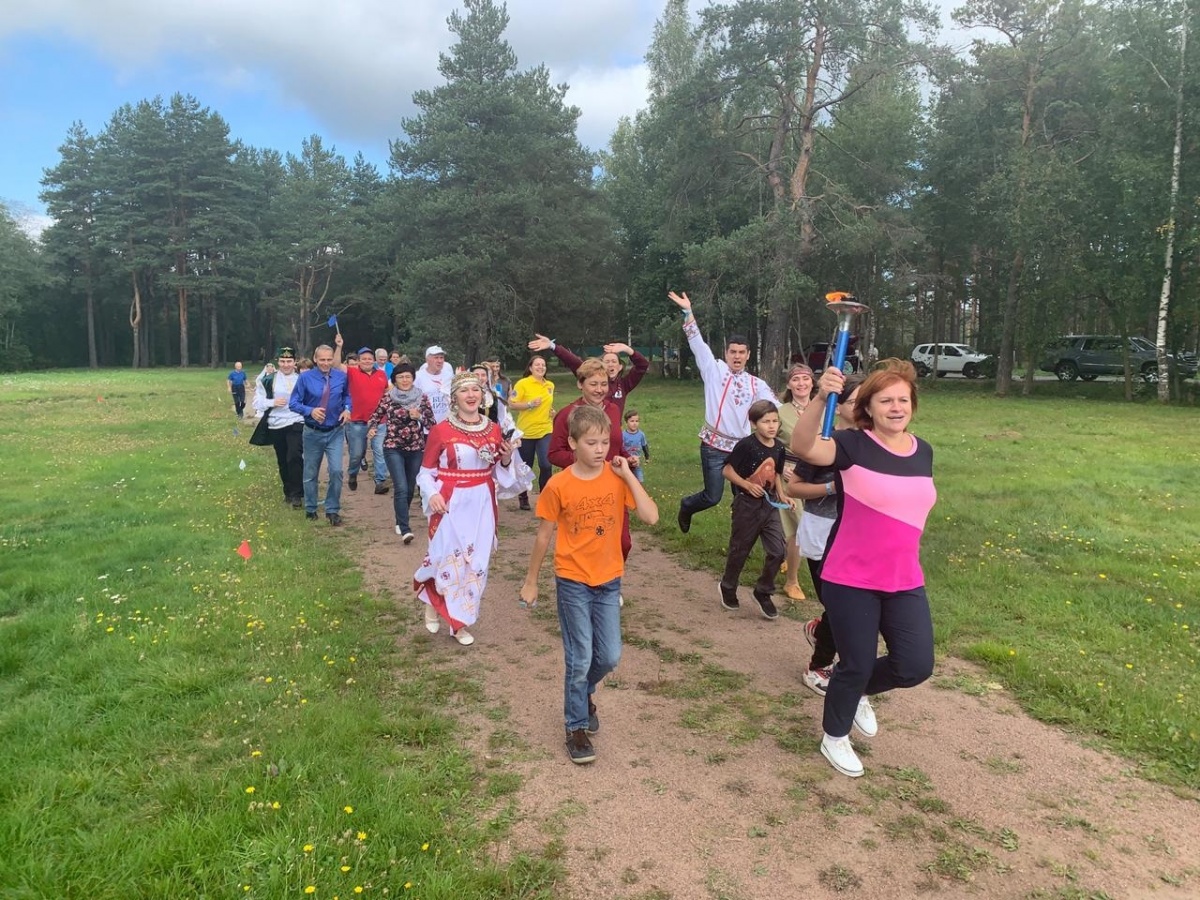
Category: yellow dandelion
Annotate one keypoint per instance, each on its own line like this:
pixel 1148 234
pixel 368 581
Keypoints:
pixel 362 835
pixel 250 790
pixel 275 805
pixel 358 889
pixel 408 885
pixel 308 848
pixel 425 846
pixel 311 889
pixel 1102 575
pixel 1012 652
pixel 345 868
pixel 256 753
pixel 347 809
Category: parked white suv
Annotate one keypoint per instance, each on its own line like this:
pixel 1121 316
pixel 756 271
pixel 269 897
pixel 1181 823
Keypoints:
pixel 950 358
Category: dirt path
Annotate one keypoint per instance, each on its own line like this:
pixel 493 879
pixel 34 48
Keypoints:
pixel 709 783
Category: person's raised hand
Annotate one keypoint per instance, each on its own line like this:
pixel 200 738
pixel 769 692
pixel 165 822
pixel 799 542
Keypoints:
pixel 338 340
pixel 680 300
pixel 539 342
pixel 618 348
pixel 832 381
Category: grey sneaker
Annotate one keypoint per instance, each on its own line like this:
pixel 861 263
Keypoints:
pixel 767 606
pixel 729 598
pixel 579 748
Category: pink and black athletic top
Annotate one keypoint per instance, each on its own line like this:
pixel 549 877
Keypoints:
pixel 885 499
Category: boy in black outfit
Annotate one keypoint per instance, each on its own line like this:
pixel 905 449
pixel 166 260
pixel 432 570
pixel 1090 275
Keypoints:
pixel 753 469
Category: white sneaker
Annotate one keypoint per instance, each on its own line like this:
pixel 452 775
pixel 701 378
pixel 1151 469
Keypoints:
pixel 864 718
pixel 398 531
pixel 817 680
pixel 407 537
pixel 432 620
pixel 464 637
pixel 841 755
pixel 620 601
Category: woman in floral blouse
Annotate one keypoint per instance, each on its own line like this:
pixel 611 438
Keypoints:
pixel 408 415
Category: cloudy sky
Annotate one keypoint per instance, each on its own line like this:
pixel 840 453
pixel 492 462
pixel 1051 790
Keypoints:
pixel 280 70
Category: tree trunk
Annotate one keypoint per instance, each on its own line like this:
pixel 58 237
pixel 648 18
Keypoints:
pixel 1008 325
pixel 1164 299
pixel 183 328
pixel 135 322
pixel 93 357
pixel 214 349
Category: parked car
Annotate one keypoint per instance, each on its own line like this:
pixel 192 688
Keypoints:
pixel 950 358
pixel 816 354
pixel 1088 356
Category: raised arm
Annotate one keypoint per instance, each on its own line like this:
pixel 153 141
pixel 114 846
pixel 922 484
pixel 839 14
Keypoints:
pixel 705 361
pixel 566 357
pixel 806 442
pixel 641 365
pixel 338 340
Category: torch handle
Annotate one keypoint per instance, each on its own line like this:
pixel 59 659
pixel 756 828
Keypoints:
pixel 841 345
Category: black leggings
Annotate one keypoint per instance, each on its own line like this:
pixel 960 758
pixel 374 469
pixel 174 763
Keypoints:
pixel 858 618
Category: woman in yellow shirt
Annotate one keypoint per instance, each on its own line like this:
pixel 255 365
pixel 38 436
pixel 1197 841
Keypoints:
pixel 532 402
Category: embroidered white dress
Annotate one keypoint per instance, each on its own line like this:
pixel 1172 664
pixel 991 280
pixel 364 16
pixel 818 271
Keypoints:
pixel 464 468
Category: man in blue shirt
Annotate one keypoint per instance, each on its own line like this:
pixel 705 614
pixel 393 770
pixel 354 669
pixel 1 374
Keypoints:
pixel 322 396
pixel 237 387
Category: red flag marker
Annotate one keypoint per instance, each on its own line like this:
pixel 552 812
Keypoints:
pixel 244 550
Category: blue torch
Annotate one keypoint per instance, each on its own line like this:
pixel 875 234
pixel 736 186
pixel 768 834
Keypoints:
pixel 846 308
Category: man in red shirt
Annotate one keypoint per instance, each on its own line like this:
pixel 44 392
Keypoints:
pixel 368 383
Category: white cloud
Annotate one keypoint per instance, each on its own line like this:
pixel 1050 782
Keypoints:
pixel 354 64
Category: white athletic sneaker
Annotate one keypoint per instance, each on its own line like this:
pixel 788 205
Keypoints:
pixel 407 537
pixel 464 637
pixel 398 531
pixel 841 755
pixel 817 680
pixel 864 718
pixel 432 620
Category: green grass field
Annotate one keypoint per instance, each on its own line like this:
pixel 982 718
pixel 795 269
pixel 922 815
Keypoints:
pixel 175 721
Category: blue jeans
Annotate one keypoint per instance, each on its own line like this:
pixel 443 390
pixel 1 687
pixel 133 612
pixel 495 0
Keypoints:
pixel 539 447
pixel 356 437
pixel 330 445
pixel 590 621
pixel 712 461
pixel 858 617
pixel 403 466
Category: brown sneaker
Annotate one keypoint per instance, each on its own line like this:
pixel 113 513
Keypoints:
pixel 580 748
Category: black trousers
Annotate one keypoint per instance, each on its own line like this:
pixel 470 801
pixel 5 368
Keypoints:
pixel 289 455
pixel 753 519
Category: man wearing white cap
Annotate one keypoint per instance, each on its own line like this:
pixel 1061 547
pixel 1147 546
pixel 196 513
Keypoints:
pixel 433 378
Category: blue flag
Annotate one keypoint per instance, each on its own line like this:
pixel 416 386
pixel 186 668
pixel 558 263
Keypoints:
pixel 332 322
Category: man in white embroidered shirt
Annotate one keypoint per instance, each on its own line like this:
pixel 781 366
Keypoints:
pixel 729 390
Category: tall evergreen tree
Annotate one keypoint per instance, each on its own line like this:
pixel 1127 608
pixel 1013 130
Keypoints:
pixel 504 233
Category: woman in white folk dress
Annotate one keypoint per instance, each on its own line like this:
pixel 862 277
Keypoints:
pixel 468 465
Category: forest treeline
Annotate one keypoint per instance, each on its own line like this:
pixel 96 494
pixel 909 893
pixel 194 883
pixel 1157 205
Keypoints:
pixel 1042 182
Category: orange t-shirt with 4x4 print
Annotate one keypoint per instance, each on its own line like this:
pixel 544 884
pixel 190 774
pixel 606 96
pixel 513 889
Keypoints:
pixel 589 514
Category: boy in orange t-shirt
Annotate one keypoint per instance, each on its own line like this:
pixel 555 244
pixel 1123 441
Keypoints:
pixel 586 503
